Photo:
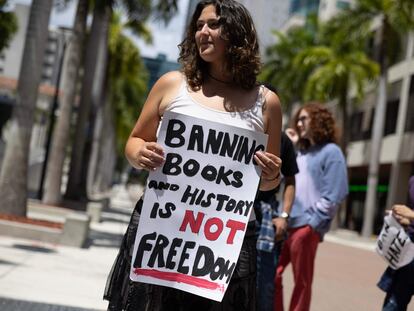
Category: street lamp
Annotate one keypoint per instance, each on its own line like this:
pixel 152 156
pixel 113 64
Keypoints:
pixel 66 33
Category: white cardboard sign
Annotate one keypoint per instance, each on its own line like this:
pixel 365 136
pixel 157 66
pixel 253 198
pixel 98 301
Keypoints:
pixel 197 206
pixel 393 244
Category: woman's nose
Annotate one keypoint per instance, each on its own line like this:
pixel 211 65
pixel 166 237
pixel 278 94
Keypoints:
pixel 205 29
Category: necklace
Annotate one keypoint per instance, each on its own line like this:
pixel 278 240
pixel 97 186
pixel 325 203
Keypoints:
pixel 218 80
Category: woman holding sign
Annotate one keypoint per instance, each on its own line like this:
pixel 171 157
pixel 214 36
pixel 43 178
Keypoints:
pixel 220 61
pixel 399 284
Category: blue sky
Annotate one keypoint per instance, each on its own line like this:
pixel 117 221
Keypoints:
pixel 165 40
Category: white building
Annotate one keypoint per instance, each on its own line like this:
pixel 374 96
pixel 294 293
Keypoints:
pixel 267 16
pixel 397 153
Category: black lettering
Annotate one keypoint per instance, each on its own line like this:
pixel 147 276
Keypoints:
pixel 174 187
pixel 142 247
pixel 223 176
pixel 214 141
pixel 196 137
pixel 188 194
pixel 207 202
pixel 158 252
pixel 191 167
pixel 170 264
pixel 221 198
pixel 172 164
pixel 239 144
pixel 208 255
pixel 216 270
pixel 163 185
pixel 184 255
pixel 237 182
pixel 227 271
pixel 400 239
pixel 152 184
pixel 200 197
pixel 174 137
pixel 227 148
pixel 169 208
pixel 249 205
pixel 245 152
pixel 209 173
pixel 154 210
pixel 239 207
pixel 231 204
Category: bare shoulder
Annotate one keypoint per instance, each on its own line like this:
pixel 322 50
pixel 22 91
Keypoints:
pixel 168 81
pixel 271 98
pixel 168 86
pixel 272 102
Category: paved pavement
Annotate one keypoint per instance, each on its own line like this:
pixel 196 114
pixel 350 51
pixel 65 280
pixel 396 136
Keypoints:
pixel 41 276
pixel 56 277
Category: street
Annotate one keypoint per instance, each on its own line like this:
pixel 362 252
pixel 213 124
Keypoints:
pixel 345 279
pixel 42 276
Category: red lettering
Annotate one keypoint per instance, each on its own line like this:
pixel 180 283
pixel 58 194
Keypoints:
pixel 234 226
pixel 195 224
pixel 212 236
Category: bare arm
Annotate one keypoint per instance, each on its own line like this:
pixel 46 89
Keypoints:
pixel 288 198
pixel 269 160
pixel 141 149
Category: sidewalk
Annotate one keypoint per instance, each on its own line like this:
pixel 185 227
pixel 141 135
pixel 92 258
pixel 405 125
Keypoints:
pixel 42 276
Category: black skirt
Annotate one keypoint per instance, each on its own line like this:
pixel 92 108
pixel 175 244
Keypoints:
pixel 124 294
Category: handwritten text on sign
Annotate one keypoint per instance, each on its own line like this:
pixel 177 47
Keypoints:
pixel 197 206
pixel 393 244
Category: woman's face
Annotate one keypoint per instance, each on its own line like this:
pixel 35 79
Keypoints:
pixel 303 125
pixel 211 46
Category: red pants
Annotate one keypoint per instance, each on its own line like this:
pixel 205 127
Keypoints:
pixel 299 249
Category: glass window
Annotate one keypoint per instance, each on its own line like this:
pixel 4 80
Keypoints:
pixel 409 122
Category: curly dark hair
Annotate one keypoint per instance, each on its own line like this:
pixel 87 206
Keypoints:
pixel 322 125
pixel 243 57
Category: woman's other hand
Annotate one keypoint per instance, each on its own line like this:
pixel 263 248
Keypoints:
pixel 293 136
pixel 402 211
pixel 150 156
pixel 270 165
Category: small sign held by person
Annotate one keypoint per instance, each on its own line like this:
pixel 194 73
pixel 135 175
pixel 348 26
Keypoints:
pixel 394 244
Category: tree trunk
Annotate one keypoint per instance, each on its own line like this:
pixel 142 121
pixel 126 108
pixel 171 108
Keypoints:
pixel 95 64
pixel 376 141
pixel 52 194
pixel 105 152
pixel 13 178
pixel 343 103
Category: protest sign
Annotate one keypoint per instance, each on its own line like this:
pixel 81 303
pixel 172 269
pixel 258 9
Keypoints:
pixel 197 205
pixel 393 244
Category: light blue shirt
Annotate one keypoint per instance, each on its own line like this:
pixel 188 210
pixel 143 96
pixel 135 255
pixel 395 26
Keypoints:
pixel 321 185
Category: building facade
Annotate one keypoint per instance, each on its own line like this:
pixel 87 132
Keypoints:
pixel 397 152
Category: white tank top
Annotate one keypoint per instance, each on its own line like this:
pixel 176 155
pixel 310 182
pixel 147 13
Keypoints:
pixel 251 119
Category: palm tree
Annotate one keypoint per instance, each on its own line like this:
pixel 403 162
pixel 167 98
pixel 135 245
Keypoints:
pixel 280 70
pixel 391 16
pixel 95 64
pixel 8 25
pixel 13 177
pixel 126 86
pixel 60 141
pixel 336 67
